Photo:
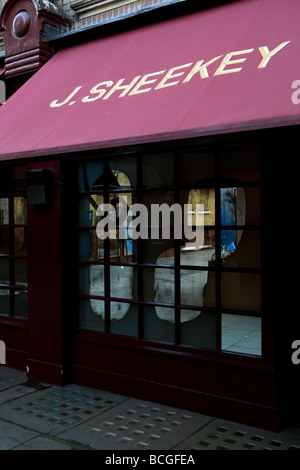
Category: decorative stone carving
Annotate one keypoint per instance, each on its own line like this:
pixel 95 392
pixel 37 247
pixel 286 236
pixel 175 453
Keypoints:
pixel 23 24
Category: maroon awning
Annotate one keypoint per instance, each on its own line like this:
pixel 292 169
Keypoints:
pixel 230 67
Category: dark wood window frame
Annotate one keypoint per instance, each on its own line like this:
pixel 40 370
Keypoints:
pixel 218 183
pixel 11 189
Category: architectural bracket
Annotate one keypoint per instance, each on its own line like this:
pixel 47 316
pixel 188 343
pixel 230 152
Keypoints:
pixel 23 24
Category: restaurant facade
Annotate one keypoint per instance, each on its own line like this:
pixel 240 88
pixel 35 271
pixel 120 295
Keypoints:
pixel 182 107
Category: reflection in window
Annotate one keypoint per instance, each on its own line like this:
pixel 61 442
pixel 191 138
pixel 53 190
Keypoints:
pixel 120 277
pixel 157 170
pixel 121 285
pixel 13 256
pixel 233 213
pixel 155 328
pixel 241 291
pixel 4 300
pixel 171 290
pixel 241 334
pixel 3 210
pixel 4 231
pixel 193 282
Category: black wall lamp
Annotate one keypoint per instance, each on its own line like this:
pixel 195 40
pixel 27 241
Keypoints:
pixel 39 187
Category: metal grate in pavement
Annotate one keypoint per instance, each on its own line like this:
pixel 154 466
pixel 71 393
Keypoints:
pixel 58 408
pixel 10 378
pixel 12 385
pixel 230 436
pixel 137 425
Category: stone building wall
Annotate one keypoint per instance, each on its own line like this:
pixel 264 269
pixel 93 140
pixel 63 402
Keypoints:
pixel 86 13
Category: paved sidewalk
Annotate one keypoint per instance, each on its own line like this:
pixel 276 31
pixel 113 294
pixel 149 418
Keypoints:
pixel 44 417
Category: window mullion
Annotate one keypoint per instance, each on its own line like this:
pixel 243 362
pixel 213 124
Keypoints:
pixel 218 260
pixel 177 276
pixel 106 255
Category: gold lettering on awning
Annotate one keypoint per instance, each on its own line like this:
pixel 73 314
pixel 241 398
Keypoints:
pixel 202 69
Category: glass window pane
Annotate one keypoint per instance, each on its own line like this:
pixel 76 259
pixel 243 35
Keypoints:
pixel 123 282
pixel 87 208
pixel 20 272
pixel 233 212
pixel 122 202
pixel 20 234
pixel 20 211
pixel 4 240
pixel 118 310
pixel 241 163
pixel 124 318
pixel 157 170
pixel 4 301
pixel 85 274
pixel 233 206
pixel 195 166
pixel 197 289
pixel 122 242
pixel 154 327
pixel 123 169
pixel 160 197
pixel 205 199
pixel 200 332
pixel 89 173
pixel 192 288
pixel 166 257
pixel 89 246
pixel 253 206
pixel 4 210
pixel 159 285
pixel 20 303
pixel 116 248
pixel 118 179
pixel 241 334
pixel 246 251
pixel 4 270
pixel 110 225
pixel 158 251
pixel 210 291
pixel 230 240
pixel 240 206
pixel 148 284
pixel 199 209
pixel 96 284
pixel 121 250
pixel 241 291
pixel 91 314
pixel 203 256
